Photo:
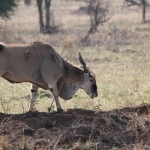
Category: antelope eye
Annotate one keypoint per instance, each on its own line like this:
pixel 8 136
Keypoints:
pixel 91 80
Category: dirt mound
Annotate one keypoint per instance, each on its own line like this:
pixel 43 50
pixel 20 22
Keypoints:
pixel 77 129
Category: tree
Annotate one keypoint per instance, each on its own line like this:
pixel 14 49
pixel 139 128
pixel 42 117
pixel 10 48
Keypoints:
pixel 27 2
pixel 142 3
pixel 7 8
pixel 98 15
pixel 40 10
pixel 47 27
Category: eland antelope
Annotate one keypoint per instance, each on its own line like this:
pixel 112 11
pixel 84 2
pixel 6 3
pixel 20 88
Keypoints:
pixel 39 64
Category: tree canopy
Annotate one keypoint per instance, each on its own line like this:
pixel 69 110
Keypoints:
pixel 7 8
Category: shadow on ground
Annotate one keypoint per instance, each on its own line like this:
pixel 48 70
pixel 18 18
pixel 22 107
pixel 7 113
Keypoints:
pixel 77 129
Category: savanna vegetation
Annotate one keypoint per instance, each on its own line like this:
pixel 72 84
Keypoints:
pixel 117 52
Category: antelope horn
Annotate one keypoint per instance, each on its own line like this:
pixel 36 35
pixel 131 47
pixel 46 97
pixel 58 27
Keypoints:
pixel 83 63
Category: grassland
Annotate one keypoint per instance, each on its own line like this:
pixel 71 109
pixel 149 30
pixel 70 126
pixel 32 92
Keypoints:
pixel 119 55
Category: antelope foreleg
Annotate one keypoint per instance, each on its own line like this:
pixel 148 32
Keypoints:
pixel 56 98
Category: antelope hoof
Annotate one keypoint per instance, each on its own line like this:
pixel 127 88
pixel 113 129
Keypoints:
pixel 60 110
pixel 32 109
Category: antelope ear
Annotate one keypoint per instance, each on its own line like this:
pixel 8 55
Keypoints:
pixel 83 63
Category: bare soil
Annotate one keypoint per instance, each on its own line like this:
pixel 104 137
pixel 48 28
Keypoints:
pixel 77 129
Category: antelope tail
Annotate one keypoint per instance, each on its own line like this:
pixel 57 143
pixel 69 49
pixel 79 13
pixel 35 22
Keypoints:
pixel 1 46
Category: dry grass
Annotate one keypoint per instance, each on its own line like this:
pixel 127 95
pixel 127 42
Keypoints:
pixel 4 144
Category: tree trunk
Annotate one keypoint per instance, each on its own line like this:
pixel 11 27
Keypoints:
pixel 47 9
pixel 39 4
pixel 27 2
pixel 144 11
